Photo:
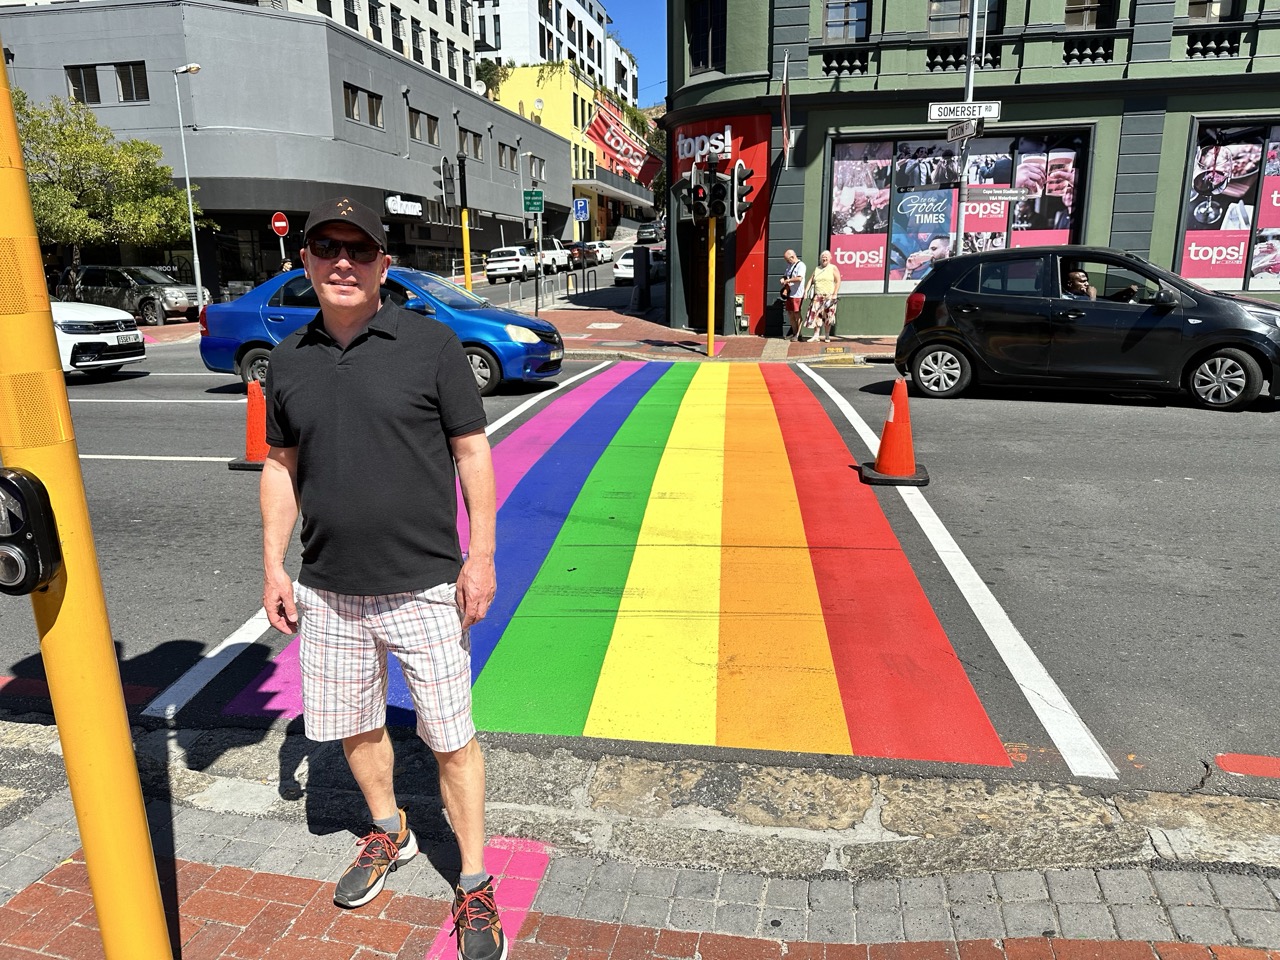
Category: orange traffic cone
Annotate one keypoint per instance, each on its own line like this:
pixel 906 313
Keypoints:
pixel 255 431
pixel 896 462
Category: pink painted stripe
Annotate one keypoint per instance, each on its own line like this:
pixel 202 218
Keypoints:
pixel 517 867
pixel 277 691
pixel 525 445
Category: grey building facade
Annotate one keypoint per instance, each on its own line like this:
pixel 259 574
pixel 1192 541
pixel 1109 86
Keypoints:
pixel 288 110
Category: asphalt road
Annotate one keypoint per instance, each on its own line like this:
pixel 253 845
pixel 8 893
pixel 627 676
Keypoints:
pixel 1130 540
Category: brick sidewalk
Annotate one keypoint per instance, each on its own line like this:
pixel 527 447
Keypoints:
pixel 232 912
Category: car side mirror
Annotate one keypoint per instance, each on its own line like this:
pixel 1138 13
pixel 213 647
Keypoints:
pixel 418 305
pixel 1166 298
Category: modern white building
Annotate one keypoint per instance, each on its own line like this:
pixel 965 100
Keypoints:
pixel 543 31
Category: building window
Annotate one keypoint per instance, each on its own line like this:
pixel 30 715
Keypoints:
pixel 375 20
pixel 452 52
pixel 448 12
pixel 397 30
pixel 537 168
pixel 415 34
pixel 497 31
pixel 847 20
pixel 706 25
pixel 435 51
pixel 1211 11
pixel 131 82
pixel 482 41
pixel 82 84
pixel 375 109
pixel 1090 14
pixel 465 9
pixel 434 6
pixel 947 17
pixel 351 13
pixel 415 124
pixel 351 97
pixel 325 7
pixel 433 130
pixel 466 68
pixel 351 101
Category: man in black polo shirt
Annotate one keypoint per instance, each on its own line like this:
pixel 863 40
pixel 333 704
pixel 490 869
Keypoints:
pixel 370 410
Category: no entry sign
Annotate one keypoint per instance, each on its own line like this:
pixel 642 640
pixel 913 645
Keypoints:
pixel 279 223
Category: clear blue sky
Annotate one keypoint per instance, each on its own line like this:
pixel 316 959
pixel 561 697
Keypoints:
pixel 642 27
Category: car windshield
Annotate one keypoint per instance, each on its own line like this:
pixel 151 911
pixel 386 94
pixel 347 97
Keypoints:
pixel 506 253
pixel 450 294
pixel 147 275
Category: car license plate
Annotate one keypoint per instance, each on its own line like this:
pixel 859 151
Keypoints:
pixel 129 338
pixel 557 353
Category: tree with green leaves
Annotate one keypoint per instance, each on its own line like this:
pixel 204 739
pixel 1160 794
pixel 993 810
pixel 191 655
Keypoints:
pixel 494 75
pixel 87 188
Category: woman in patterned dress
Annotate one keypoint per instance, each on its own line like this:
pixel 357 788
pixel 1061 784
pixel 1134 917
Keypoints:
pixel 824 283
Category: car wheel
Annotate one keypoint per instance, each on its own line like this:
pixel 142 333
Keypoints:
pixel 484 365
pixel 491 280
pixel 253 365
pixel 152 314
pixel 941 370
pixel 1227 379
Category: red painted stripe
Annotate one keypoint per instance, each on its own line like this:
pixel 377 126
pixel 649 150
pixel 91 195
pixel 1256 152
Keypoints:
pixel 905 693
pixel 1249 764
pixel 36 689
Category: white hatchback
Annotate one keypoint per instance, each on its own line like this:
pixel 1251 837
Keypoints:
pixel 96 339
pixel 598 251
pixel 510 263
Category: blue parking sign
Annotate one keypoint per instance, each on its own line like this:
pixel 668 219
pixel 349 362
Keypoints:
pixel 580 211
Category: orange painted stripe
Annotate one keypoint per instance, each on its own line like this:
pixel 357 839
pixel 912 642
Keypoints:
pixel 776 684
pixel 1249 764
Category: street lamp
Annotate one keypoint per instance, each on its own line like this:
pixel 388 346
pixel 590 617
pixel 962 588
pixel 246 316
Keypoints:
pixel 186 175
pixel 524 221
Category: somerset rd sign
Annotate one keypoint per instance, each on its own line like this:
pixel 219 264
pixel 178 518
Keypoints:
pixel 951 112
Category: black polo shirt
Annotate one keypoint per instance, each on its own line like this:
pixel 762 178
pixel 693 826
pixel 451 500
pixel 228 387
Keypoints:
pixel 371 424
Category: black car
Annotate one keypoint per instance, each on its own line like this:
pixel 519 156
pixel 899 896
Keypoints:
pixel 1080 316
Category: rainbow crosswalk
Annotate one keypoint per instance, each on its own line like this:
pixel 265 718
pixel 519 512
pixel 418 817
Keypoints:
pixel 686 556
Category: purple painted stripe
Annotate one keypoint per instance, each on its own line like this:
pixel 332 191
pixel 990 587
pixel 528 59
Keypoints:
pixel 525 445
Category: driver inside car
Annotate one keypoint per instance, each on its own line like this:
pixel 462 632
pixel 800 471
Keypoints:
pixel 1076 286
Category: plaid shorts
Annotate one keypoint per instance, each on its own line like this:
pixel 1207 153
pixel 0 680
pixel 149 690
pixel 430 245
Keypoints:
pixel 343 653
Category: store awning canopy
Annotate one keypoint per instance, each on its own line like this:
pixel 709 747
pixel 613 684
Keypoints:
pixel 638 195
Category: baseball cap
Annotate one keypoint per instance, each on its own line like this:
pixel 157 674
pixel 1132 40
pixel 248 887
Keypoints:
pixel 346 210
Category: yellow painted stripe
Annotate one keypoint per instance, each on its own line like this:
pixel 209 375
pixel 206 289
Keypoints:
pixel 658 681
pixel 777 683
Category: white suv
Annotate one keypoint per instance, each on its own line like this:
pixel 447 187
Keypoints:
pixel 510 263
pixel 555 255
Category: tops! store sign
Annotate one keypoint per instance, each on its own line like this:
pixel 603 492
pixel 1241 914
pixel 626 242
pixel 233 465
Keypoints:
pixel 620 146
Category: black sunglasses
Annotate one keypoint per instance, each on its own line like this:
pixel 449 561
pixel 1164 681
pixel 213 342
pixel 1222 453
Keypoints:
pixel 359 251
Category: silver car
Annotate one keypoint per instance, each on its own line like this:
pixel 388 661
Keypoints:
pixel 145 292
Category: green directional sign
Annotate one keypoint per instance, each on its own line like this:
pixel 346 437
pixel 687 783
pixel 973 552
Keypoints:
pixel 533 201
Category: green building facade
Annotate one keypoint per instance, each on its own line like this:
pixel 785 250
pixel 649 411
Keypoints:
pixel 1148 125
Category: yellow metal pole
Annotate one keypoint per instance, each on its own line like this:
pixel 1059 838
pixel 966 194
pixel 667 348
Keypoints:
pixel 71 615
pixel 711 287
pixel 466 249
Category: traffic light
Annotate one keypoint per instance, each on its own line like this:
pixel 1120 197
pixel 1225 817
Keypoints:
pixel 720 196
pixel 741 190
pixel 701 204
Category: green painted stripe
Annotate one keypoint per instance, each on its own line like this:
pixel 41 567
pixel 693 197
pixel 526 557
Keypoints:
pixel 542 676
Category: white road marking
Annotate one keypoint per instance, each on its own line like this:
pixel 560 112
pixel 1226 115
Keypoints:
pixel 532 401
pixel 1069 733
pixel 181 692
pixel 113 456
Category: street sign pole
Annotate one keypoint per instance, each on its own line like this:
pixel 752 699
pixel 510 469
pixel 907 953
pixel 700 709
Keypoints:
pixel 958 249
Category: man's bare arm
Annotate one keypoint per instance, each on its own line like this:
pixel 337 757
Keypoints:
pixel 477 583
pixel 278 497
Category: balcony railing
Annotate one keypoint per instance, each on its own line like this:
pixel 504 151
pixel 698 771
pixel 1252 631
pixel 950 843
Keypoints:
pixel 1088 48
pixel 1212 43
pixel 944 57
pixel 845 62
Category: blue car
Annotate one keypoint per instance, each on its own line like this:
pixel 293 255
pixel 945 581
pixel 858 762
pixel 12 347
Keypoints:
pixel 237 337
